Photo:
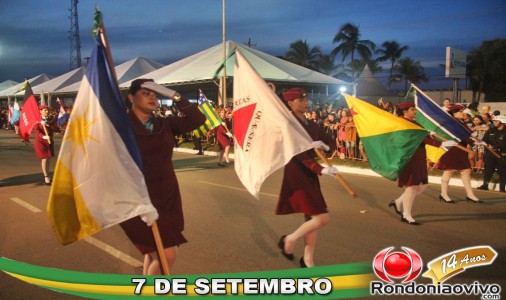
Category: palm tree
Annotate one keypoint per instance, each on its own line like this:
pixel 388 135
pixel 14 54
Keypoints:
pixel 349 38
pixel 391 51
pixel 302 54
pixel 410 71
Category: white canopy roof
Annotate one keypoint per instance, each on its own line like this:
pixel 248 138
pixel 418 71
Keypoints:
pixel 202 67
pixel 33 82
pixel 59 82
pixel 126 71
pixel 7 84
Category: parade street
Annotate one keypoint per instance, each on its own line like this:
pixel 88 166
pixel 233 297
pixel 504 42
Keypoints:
pixel 230 231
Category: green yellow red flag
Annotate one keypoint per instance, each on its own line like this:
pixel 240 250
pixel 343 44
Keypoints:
pixel 388 140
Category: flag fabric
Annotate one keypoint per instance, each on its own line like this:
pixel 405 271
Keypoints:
pixel 267 135
pixel 213 120
pixel 14 112
pixel 63 116
pixel 29 115
pixel 98 180
pixel 432 117
pixel 389 141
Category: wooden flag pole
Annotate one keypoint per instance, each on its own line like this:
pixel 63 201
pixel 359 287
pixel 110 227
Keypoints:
pixel 160 249
pixel 338 176
pixel 45 131
pixel 458 146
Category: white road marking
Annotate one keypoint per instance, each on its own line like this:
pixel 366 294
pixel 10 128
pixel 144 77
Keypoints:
pixel 114 252
pixel 237 189
pixel 26 205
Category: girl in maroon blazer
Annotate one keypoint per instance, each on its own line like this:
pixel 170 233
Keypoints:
pixel 155 138
pixel 300 190
pixel 44 143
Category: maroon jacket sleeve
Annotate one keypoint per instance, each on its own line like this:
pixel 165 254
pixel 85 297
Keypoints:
pixel 307 157
pixel 432 142
pixel 192 120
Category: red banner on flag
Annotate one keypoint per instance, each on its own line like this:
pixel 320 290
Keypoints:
pixel 30 114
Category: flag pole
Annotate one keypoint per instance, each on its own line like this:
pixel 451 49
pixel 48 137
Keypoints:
pixel 338 176
pixel 160 249
pixel 224 41
pixel 458 146
pixel 154 226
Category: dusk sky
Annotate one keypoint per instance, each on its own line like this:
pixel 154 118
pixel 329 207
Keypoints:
pixel 34 34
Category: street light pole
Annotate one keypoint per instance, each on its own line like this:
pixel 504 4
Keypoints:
pixel 224 41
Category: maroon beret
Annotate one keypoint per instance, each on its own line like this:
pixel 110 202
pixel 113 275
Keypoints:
pixel 455 108
pixel 406 105
pixel 41 107
pixel 294 93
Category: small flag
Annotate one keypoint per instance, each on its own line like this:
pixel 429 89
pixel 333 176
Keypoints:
pixel 389 141
pixel 63 116
pixel 15 112
pixel 30 114
pixel 98 180
pixel 267 134
pixel 213 120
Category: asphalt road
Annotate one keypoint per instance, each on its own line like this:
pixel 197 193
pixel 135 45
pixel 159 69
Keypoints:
pixel 230 231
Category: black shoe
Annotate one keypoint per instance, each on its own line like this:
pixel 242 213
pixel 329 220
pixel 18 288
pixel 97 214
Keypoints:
pixel 47 180
pixel 200 153
pixel 281 245
pixel 441 198
pixel 409 222
pixel 302 263
pixel 483 187
pixel 221 165
pixel 474 201
pixel 392 204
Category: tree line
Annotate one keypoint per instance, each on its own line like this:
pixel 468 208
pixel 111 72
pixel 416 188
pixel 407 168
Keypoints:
pixel 485 67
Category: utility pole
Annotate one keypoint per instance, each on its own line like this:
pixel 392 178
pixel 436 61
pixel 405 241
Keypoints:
pixel 249 44
pixel 75 40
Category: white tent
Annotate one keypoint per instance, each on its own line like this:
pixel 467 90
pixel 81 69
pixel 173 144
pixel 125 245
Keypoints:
pixel 33 82
pixel 59 82
pixel 205 65
pixel 125 72
pixel 7 84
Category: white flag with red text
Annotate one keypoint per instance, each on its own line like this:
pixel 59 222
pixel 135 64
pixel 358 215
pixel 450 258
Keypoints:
pixel 267 135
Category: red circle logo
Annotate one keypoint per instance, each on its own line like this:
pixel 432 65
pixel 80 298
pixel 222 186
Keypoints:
pixel 407 264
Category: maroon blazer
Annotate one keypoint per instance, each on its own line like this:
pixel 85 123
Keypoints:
pixel 300 190
pixel 415 172
pixel 42 148
pixel 156 150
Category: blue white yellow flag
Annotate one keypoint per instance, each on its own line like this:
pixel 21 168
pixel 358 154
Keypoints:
pixel 98 180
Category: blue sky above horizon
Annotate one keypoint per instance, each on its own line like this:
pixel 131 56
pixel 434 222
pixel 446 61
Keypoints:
pixel 34 34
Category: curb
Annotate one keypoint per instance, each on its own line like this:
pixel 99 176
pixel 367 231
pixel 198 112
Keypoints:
pixel 454 181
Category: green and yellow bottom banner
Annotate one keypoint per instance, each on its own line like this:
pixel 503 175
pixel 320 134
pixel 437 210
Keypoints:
pixel 326 282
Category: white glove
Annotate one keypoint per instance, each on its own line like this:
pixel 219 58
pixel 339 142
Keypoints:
pixel 150 217
pixel 448 144
pixel 331 171
pixel 43 123
pixel 228 134
pixel 45 137
pixel 432 133
pixel 160 89
pixel 320 145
